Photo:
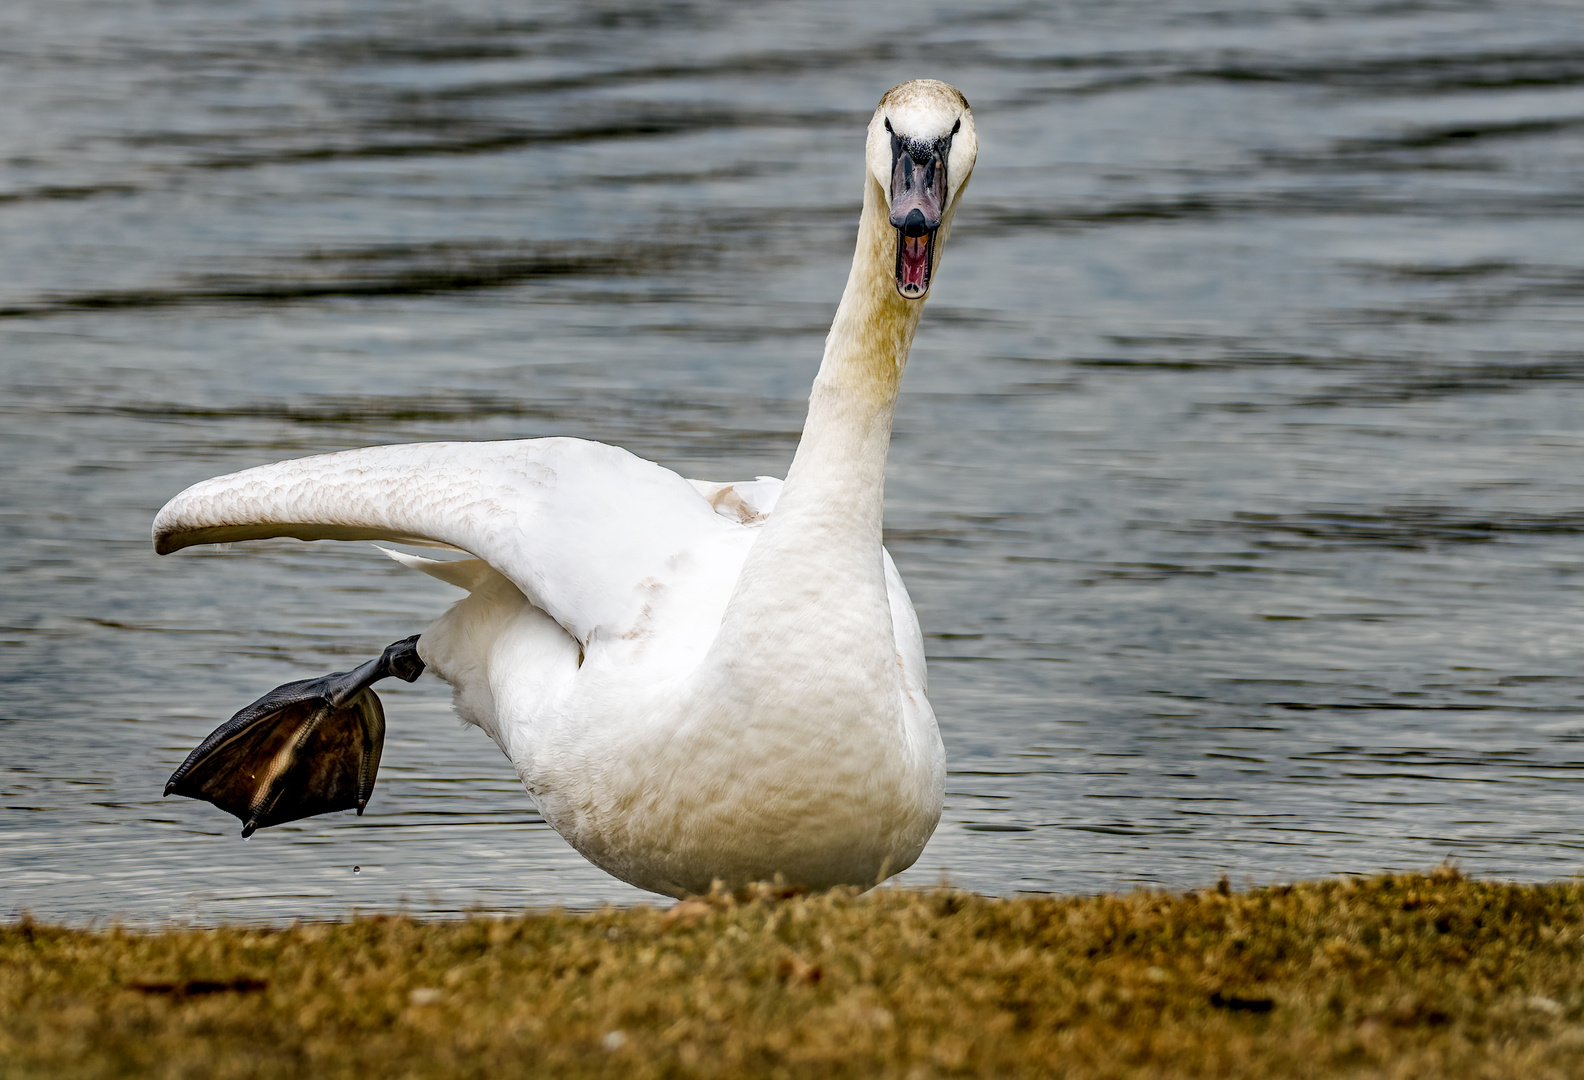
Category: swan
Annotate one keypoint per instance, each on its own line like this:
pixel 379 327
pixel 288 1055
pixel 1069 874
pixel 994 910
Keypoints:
pixel 696 682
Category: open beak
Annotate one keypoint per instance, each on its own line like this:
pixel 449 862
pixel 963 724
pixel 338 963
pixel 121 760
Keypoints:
pixel 918 194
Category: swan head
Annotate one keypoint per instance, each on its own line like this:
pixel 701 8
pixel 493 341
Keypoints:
pixel 921 151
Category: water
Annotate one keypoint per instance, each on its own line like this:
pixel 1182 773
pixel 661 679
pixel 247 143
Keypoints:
pixel 1237 477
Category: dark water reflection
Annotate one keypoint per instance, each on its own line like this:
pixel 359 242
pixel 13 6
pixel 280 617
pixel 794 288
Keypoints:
pixel 1237 478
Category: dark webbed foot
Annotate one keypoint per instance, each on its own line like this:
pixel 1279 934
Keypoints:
pixel 308 747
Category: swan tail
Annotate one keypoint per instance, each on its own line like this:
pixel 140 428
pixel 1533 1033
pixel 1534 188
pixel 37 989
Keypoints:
pixel 573 524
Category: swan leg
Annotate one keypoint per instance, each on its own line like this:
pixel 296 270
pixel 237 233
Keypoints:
pixel 307 747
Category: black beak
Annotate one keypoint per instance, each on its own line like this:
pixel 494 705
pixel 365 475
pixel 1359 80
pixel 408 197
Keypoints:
pixel 918 195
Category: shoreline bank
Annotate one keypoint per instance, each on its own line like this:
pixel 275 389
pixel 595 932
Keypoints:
pixel 1393 975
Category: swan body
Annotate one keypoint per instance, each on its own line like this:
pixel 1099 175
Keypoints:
pixel 695 681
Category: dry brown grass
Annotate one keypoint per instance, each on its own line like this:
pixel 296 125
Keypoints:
pixel 1408 976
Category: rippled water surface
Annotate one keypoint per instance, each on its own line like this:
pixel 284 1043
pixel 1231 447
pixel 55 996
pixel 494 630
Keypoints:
pixel 1238 476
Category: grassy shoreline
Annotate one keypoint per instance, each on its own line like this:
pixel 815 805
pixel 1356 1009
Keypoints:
pixel 1391 976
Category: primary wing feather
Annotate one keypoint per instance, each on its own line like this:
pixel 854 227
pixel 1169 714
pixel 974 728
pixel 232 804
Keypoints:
pixel 576 525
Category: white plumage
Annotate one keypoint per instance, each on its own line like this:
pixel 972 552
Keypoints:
pixel 695 681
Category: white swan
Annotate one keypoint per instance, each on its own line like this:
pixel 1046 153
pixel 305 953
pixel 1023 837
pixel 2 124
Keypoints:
pixel 695 681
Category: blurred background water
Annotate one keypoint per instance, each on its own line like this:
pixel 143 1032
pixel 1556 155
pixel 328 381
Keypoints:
pixel 1238 477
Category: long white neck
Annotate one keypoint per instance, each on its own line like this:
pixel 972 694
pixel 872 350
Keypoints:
pixel 837 479
pixel 813 586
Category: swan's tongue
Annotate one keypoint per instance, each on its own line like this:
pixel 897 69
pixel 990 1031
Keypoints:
pixel 913 263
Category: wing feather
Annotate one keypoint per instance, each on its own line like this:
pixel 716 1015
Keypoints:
pixel 576 525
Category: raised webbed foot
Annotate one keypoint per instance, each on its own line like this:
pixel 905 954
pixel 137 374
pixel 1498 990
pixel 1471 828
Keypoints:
pixel 308 747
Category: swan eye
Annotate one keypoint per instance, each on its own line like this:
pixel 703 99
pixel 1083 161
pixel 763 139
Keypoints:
pixel 888 125
pixel 957 126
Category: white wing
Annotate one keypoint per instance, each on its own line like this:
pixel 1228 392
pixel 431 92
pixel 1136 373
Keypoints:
pixel 747 502
pixel 576 525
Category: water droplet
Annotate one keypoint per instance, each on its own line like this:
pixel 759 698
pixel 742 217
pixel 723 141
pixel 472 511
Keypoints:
pixel 614 1040
pixel 357 869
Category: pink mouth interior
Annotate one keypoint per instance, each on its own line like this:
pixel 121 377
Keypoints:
pixel 915 260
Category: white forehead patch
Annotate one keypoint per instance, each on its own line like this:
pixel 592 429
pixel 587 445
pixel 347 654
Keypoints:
pixel 924 109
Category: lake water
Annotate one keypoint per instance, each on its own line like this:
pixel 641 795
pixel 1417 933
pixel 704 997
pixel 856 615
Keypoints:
pixel 1238 476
